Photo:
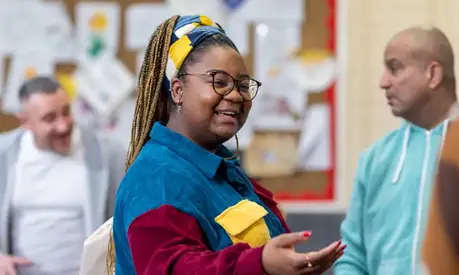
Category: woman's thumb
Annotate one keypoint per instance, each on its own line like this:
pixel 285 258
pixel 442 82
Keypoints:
pixel 291 239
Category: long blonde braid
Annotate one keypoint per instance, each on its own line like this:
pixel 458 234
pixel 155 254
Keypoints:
pixel 151 103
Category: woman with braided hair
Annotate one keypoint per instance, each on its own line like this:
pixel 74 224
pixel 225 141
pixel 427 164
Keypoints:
pixel 185 206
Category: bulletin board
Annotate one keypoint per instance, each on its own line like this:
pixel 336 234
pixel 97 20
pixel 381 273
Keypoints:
pixel 318 33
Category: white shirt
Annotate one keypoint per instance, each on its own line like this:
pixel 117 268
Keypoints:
pixel 47 205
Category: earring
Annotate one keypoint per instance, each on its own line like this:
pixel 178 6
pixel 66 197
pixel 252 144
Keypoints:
pixel 179 105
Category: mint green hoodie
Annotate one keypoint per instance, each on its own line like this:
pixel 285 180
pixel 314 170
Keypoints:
pixel 384 226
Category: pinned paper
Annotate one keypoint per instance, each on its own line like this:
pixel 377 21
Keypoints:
pixel 141 21
pixel 313 70
pixel 98 27
pixel 254 12
pixel 274 42
pixel 23 68
pixel 105 83
pixel 25 25
pixel 314 147
pixel 271 155
pixel 260 10
pixel 280 104
pixel 21 28
pixel 58 32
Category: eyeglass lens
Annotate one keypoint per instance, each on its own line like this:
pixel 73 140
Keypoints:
pixel 223 84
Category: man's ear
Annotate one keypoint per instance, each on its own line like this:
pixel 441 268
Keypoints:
pixel 435 74
pixel 22 117
pixel 176 90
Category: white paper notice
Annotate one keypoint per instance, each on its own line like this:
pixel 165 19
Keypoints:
pixel 237 27
pixel 33 26
pixel 98 27
pixel 313 76
pixel 314 145
pixel 141 22
pixel 105 84
pixel 21 27
pixel 58 33
pixel 280 104
pixel 257 11
pixel 22 68
pixel 274 43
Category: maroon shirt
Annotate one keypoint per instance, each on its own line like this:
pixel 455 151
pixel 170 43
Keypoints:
pixel 165 241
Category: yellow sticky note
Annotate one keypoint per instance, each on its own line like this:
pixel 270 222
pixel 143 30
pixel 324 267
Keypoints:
pixel 68 84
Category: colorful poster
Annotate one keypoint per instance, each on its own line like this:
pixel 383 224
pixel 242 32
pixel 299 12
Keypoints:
pixel 98 28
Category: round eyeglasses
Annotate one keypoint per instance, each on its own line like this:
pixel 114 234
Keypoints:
pixel 223 83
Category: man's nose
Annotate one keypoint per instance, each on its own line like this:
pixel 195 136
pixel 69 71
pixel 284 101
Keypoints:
pixel 384 81
pixel 63 126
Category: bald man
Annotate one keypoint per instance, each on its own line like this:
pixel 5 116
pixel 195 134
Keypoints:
pixel 385 223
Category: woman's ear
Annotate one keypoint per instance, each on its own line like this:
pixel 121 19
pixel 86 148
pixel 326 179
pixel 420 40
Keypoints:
pixel 176 91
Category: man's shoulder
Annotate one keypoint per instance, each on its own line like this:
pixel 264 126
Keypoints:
pixel 9 138
pixel 390 142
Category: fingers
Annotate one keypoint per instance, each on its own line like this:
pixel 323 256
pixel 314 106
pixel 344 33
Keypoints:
pixel 337 254
pixel 340 251
pixel 290 239
pixel 20 260
pixel 326 262
pixel 325 253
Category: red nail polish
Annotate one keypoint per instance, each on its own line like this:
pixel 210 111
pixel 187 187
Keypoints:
pixel 307 234
pixel 339 243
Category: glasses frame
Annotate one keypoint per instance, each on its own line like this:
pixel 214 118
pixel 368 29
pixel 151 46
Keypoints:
pixel 236 82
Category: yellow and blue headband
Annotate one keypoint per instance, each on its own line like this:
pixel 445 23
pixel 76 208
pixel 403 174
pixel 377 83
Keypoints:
pixel 189 31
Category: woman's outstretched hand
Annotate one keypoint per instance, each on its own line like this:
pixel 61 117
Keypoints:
pixel 279 257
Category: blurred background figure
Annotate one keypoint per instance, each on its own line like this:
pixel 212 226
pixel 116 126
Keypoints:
pixel 57 184
pixel 441 245
pixel 385 221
